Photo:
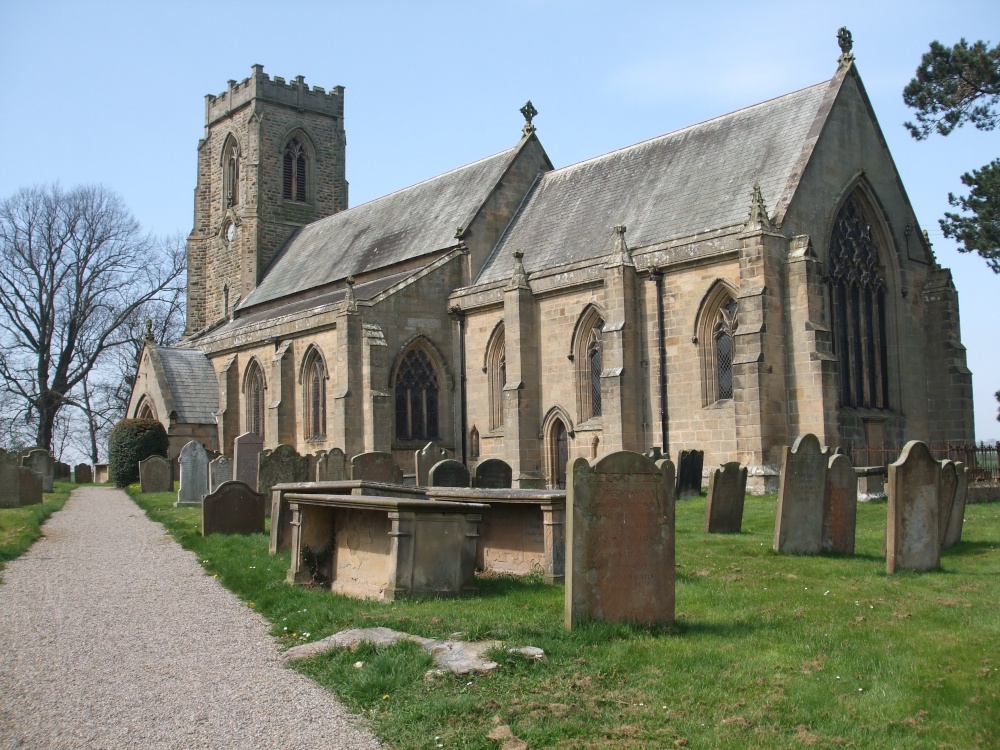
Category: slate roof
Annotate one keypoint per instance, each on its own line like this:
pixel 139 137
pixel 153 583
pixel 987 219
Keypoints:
pixel 396 227
pixel 192 382
pixel 692 180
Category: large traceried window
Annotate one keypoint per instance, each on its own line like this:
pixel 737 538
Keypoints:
pixel 295 164
pixel 496 374
pixel 416 391
pixel 231 172
pixel 588 351
pixel 715 334
pixel 254 393
pixel 858 307
pixel 725 326
pixel 313 380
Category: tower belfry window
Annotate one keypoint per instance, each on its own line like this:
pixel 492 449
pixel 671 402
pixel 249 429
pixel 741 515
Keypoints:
pixel 232 175
pixel 294 174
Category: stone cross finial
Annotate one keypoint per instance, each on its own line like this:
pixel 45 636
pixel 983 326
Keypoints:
pixel 758 219
pixel 518 279
pixel 846 42
pixel 529 112
pixel 350 300
pixel 149 329
pixel 620 256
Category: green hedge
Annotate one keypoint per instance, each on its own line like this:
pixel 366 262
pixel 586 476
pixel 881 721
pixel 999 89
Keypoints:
pixel 132 441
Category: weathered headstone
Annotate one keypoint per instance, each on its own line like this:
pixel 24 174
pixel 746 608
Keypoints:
pixel 10 492
pixel 331 466
pixel 448 473
pixel 620 540
pixel 220 469
pixel 946 496
pixel 798 525
pixel 29 486
pixel 194 474
pixel 233 508
pixel 40 461
pixel 425 458
pixel 689 466
pixel 246 457
pixel 912 540
pixel 727 489
pixel 840 506
pixel 283 464
pixel 953 535
pixel 376 466
pixel 63 471
pixel 494 474
pixel 83 474
pixel 156 474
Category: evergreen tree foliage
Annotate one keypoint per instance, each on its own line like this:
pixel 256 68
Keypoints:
pixel 132 441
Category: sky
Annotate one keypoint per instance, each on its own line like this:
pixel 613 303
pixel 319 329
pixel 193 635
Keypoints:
pixel 113 93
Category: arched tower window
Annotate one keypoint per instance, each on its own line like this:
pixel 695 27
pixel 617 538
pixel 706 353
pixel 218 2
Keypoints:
pixel 858 307
pixel 254 392
pixel 313 379
pixel 715 334
pixel 588 353
pixel 416 392
pixel 295 164
pixel 231 172
pixel 496 373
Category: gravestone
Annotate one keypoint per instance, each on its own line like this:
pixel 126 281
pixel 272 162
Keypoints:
pixel 376 466
pixel 620 540
pixel 41 461
pixel 427 457
pixel 283 464
pixel 156 474
pixel 946 496
pixel 953 535
pixel 727 489
pixel 100 473
pixel 494 474
pixel 233 508
pixel 246 458
pixel 10 493
pixel 655 454
pixel 448 473
pixel 194 474
pixel 689 466
pixel 63 471
pixel 220 469
pixel 83 474
pixel 29 486
pixel 840 506
pixel 798 525
pixel 912 540
pixel 331 466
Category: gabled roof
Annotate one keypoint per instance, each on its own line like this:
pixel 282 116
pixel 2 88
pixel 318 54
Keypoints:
pixel 397 227
pixel 192 383
pixel 693 180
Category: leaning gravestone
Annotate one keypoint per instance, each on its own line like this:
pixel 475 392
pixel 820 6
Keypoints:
pixel 727 489
pixel 246 457
pixel 946 496
pixel 689 466
pixel 840 506
pixel 220 469
pixel 953 535
pixel 448 473
pixel 494 474
pixel 427 457
pixel 620 540
pixel 798 525
pixel 83 474
pixel 10 494
pixel 376 466
pixel 283 464
pixel 29 486
pixel 912 540
pixel 40 461
pixel 156 474
pixel 194 474
pixel 331 466
pixel 233 508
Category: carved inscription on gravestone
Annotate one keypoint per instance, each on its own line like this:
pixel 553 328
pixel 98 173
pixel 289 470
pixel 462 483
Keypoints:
pixel 220 469
pixel 194 474
pixel 448 473
pixel 912 540
pixel 155 475
pixel 798 526
pixel 281 465
pixel 727 489
pixel 620 542
pixel 840 506
pixel 494 474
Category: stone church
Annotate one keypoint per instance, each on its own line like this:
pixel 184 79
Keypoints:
pixel 726 287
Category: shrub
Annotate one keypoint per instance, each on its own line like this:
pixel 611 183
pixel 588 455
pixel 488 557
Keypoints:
pixel 132 441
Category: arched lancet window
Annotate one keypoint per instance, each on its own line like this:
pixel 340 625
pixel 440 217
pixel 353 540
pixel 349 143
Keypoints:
pixel 295 165
pixel 145 410
pixel 473 442
pixel 313 378
pixel 254 393
pixel 558 449
pixel 496 373
pixel 231 172
pixel 594 352
pixel 416 391
pixel 725 326
pixel 588 353
pixel 715 332
pixel 858 307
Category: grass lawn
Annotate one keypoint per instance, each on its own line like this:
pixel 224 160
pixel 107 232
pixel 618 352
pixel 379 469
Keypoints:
pixel 20 527
pixel 769 650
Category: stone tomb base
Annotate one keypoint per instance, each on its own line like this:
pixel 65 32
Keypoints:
pixel 383 548
pixel 522 532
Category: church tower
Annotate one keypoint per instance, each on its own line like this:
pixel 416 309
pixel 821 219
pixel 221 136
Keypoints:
pixel 272 160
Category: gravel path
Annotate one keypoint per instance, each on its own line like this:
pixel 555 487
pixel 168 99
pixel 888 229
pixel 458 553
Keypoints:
pixel 112 636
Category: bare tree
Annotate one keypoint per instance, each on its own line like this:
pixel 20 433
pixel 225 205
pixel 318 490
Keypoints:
pixel 75 268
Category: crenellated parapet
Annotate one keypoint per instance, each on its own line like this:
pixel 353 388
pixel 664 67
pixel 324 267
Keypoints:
pixel 259 85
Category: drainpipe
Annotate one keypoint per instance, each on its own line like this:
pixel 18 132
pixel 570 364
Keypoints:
pixel 459 316
pixel 656 275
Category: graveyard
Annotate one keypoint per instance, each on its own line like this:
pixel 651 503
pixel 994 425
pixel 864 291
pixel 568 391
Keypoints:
pixel 766 648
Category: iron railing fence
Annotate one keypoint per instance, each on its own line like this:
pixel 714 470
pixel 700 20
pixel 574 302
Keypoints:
pixel 983 460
